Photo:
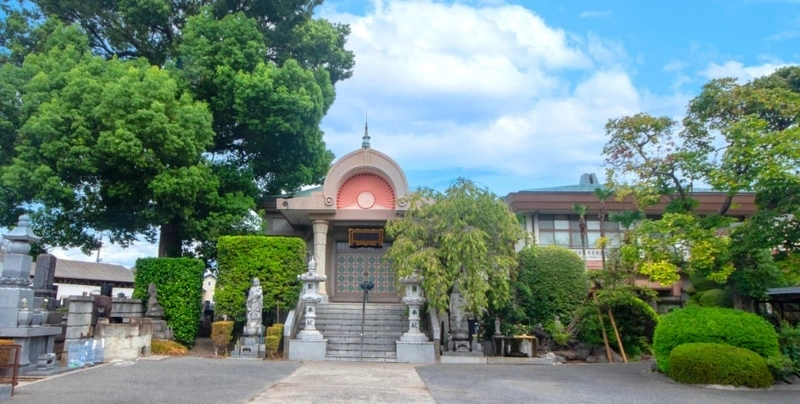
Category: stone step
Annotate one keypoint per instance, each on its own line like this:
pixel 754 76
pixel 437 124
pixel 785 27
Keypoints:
pixel 355 339
pixel 385 348
pixel 357 353
pixel 359 359
pixel 357 334
pixel 357 327
pixel 383 318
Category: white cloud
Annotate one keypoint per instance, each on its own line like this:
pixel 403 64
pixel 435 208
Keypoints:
pixel 595 14
pixel 739 71
pixel 493 93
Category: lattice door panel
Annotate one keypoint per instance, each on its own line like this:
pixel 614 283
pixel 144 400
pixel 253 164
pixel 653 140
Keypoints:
pixel 350 272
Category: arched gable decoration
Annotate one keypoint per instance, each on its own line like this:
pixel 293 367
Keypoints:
pixel 365 168
pixel 365 191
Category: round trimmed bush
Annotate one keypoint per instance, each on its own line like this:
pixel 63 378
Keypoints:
pixel 713 324
pixel 710 363
pixel 635 319
pixel 551 282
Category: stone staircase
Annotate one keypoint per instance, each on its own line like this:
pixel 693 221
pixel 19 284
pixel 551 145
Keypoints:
pixel 340 324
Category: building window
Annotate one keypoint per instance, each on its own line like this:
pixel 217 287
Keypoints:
pixel 565 230
pixel 207 283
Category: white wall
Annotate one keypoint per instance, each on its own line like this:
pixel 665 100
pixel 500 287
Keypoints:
pixel 66 289
pixel 209 284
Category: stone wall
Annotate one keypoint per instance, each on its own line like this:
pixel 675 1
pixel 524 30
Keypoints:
pixel 125 341
pixel 125 336
pixel 79 323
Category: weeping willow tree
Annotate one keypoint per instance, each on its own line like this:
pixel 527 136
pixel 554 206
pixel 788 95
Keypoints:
pixel 464 237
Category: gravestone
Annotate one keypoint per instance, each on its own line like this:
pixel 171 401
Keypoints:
pixel 43 277
pixel 15 288
pixel 155 313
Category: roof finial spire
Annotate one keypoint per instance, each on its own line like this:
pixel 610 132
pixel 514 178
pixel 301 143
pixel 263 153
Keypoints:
pixel 365 142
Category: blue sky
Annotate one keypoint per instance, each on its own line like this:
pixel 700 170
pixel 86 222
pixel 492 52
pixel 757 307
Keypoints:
pixel 515 94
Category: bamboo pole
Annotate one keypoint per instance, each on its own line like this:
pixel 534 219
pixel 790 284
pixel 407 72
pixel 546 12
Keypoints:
pixel 619 340
pixel 603 328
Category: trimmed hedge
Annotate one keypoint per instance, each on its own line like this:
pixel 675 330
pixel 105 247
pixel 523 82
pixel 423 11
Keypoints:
pixel 713 324
pixel 275 261
pixel 710 363
pixel 221 334
pixel 273 339
pixel 179 286
pixel 551 282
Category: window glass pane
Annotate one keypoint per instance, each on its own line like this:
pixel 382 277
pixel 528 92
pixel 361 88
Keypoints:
pixel 562 238
pixel 561 224
pixel 614 240
pixel 575 224
pixel 611 225
pixel 593 225
pixel 546 222
pixel 576 238
pixel 546 238
pixel 593 236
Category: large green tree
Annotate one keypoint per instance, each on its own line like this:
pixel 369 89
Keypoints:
pixel 735 137
pixel 266 71
pixel 104 145
pixel 464 237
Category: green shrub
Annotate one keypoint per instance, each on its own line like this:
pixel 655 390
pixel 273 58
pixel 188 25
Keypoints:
pixel 551 282
pixel 275 329
pixel 221 334
pixel 713 324
pixel 167 347
pixel 789 343
pixel 636 321
pixel 275 261
pixel 715 298
pixel 710 363
pixel 5 354
pixel 179 283
pixel 273 339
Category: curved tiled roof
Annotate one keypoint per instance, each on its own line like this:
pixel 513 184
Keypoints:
pixel 94 271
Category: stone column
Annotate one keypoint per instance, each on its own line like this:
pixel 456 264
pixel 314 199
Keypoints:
pixel 320 228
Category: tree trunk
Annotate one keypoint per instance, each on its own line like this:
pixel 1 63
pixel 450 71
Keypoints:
pixel 169 242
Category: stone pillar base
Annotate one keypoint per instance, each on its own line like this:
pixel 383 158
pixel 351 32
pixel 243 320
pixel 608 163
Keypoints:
pixel 307 350
pixel 415 352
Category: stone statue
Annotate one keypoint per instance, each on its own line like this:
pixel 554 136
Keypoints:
pixel 255 305
pixel 153 308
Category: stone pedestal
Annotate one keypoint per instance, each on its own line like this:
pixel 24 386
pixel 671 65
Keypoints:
pixel 415 352
pixel 300 350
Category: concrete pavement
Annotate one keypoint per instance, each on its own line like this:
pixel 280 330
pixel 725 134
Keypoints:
pixel 201 380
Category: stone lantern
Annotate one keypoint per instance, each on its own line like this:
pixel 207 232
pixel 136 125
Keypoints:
pixel 310 296
pixel 413 299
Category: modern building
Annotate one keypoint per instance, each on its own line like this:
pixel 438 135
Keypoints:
pixel 550 217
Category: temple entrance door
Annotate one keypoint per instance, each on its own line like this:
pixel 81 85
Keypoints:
pixel 350 267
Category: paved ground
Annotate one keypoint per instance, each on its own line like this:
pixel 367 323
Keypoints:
pixel 203 380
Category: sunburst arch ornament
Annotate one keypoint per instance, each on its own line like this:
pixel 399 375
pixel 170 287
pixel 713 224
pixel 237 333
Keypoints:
pixel 365 191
